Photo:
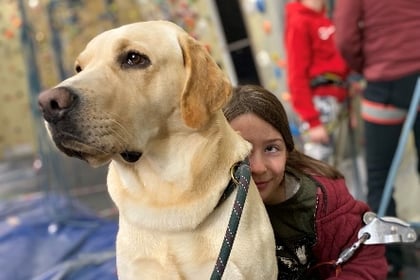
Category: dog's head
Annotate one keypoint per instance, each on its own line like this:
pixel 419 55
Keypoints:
pixel 132 84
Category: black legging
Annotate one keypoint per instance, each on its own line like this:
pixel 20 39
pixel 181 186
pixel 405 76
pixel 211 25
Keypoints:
pixel 381 141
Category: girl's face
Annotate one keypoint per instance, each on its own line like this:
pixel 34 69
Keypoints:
pixel 268 155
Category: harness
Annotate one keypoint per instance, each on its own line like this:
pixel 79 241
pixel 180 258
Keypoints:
pixel 240 176
pixel 327 79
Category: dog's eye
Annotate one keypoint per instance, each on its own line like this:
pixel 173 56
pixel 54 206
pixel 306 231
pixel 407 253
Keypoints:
pixel 78 68
pixel 134 59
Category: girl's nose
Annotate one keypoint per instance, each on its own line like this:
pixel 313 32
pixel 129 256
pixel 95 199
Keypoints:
pixel 257 164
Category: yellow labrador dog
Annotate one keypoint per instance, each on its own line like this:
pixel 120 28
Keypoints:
pixel 147 98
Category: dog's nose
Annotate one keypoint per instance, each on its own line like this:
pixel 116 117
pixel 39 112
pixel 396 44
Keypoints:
pixel 55 103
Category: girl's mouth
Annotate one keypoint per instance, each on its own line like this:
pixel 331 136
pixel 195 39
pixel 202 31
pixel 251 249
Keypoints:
pixel 261 185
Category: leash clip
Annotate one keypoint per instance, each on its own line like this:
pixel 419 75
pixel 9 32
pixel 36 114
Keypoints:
pixel 349 252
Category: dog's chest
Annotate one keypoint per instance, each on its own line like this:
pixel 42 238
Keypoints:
pixel 188 253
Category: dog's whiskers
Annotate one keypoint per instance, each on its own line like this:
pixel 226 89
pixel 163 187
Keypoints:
pixel 122 134
pixel 75 139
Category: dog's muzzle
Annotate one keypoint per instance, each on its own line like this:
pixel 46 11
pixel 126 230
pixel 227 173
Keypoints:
pixel 62 109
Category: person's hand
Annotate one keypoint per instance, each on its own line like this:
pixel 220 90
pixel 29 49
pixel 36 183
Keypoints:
pixel 356 87
pixel 318 134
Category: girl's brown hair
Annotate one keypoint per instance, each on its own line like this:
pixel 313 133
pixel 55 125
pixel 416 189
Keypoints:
pixel 264 104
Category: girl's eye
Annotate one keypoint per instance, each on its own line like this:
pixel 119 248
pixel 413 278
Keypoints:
pixel 271 149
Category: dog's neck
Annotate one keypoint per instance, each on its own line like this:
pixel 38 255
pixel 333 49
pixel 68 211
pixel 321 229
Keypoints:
pixel 180 173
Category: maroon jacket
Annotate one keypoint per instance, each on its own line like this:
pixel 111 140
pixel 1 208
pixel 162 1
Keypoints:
pixel 338 210
pixel 379 38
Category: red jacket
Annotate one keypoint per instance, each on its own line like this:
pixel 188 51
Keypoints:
pixel 311 51
pixel 380 39
pixel 338 210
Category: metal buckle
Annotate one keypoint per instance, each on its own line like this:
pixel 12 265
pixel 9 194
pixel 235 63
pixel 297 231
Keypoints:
pixel 386 230
pixel 232 173
pixel 383 230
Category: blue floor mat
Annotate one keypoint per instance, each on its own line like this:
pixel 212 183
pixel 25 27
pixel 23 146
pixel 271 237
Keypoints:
pixel 45 237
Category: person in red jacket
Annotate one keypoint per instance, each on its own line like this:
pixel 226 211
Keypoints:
pixel 316 73
pixel 313 215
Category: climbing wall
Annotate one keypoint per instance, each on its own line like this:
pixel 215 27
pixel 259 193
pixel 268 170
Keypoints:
pixel 265 24
pixel 16 133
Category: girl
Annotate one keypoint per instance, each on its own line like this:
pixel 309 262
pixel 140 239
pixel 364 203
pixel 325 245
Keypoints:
pixel 313 215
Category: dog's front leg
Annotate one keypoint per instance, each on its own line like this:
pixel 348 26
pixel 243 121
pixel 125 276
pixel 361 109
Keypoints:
pixel 146 269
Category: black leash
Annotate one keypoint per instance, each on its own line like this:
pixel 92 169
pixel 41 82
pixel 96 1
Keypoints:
pixel 241 178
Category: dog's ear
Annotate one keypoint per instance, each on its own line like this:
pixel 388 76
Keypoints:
pixel 207 88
